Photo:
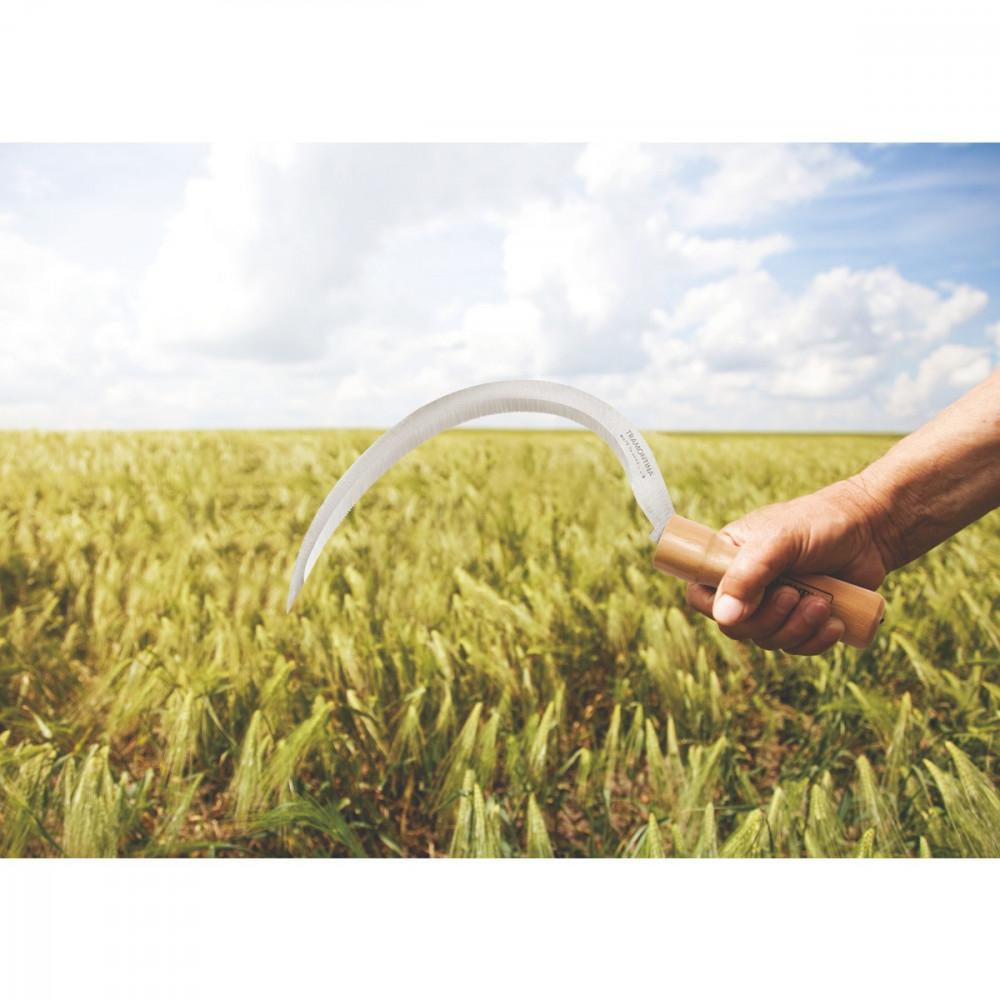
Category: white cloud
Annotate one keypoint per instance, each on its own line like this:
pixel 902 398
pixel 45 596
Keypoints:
pixel 599 264
pixel 60 324
pixel 841 310
pixel 51 308
pixel 351 284
pixel 609 167
pixel 842 337
pixel 716 256
pixel 730 321
pixel 598 268
pixel 993 330
pixel 569 249
pixel 265 257
pixel 706 187
pixel 747 182
pixel 503 339
pixel 941 377
pixel 881 305
pixel 275 252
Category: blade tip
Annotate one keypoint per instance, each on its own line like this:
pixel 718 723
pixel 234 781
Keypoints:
pixel 293 591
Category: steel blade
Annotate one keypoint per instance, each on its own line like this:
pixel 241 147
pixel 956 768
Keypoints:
pixel 521 396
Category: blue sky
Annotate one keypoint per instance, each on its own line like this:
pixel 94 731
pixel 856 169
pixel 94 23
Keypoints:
pixel 931 211
pixel 735 287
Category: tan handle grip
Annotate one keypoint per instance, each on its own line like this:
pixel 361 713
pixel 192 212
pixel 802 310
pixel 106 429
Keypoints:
pixel 696 553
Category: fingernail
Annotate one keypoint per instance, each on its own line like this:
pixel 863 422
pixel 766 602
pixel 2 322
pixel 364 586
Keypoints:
pixel 728 610
pixel 787 599
pixel 833 629
pixel 815 612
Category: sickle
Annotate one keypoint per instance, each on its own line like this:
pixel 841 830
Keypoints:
pixel 492 398
pixel 684 548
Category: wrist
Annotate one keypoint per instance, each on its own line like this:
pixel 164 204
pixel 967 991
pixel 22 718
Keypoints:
pixel 880 500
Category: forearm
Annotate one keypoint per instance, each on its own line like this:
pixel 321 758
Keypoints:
pixel 939 478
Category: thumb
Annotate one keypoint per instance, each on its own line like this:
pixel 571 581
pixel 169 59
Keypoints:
pixel 761 559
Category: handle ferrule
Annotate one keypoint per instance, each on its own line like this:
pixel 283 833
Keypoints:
pixel 696 553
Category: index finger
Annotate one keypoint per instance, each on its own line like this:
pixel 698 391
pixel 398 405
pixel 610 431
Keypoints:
pixel 772 614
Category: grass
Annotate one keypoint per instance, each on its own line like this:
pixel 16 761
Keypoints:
pixel 484 662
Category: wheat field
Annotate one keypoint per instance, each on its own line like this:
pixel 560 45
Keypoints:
pixel 483 663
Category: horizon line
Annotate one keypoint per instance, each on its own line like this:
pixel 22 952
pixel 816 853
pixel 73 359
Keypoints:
pixel 463 429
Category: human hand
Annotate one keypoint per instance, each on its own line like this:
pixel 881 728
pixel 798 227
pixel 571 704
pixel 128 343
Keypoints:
pixel 838 531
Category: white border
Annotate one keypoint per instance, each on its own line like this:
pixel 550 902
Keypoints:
pixel 497 929
pixel 521 70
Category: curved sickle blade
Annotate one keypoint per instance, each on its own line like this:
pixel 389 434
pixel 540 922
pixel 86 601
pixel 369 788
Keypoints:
pixel 528 396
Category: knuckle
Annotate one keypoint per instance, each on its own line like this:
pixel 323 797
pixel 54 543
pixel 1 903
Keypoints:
pixel 808 649
pixel 699 598
pixel 793 635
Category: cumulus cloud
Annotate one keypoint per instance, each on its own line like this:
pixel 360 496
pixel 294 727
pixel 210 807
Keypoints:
pixel 743 183
pixel 599 263
pixel 265 257
pixel 571 250
pixel 349 284
pixel 716 256
pixel 52 309
pixel 273 250
pixel 707 187
pixel 940 377
pixel 993 331
pixel 609 167
pixel 842 308
pixel 744 340
pixel 60 324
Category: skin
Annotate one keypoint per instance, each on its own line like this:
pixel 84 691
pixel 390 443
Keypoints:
pixel 928 486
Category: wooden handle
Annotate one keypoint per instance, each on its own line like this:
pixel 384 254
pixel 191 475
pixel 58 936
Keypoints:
pixel 696 553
